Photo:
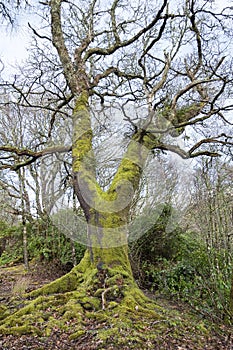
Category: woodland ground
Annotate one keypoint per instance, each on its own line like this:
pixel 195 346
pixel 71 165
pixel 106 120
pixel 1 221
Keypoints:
pixel 185 329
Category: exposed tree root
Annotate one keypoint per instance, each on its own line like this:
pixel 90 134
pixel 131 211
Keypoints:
pixel 98 308
pixel 107 295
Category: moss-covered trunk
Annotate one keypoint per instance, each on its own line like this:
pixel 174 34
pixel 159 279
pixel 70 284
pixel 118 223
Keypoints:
pixel 103 280
pixel 107 212
pixel 100 287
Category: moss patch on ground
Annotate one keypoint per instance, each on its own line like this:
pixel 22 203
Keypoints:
pixel 129 319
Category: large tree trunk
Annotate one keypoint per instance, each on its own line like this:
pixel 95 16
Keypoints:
pixel 101 286
pixel 107 212
pixel 103 280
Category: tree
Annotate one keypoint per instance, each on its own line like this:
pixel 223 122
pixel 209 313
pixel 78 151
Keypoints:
pixel 32 187
pixel 164 66
pixel 213 199
pixel 8 9
pixel 210 216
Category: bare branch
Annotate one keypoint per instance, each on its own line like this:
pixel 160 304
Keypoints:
pixel 59 42
pixel 114 24
pixel 37 34
pixel 186 89
pixel 33 156
pixel 212 140
pixel 174 149
pixel 62 104
pixel 119 44
pixel 198 37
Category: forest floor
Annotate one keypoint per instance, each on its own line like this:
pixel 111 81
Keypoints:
pixel 185 329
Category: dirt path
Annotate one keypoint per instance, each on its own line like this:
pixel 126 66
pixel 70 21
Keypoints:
pixel 10 278
pixel 15 280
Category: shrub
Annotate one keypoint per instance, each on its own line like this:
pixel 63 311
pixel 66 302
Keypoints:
pixel 197 275
pixel 44 242
pixel 10 243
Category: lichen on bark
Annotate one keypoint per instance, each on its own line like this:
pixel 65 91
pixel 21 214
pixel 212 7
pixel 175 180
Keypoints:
pixel 103 280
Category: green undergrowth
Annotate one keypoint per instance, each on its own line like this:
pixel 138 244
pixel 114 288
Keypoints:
pixel 67 301
pixel 116 312
pixel 136 320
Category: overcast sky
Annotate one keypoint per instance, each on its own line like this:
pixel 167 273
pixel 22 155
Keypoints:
pixel 13 42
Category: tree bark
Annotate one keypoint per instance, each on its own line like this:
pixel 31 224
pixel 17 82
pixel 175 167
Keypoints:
pixel 106 213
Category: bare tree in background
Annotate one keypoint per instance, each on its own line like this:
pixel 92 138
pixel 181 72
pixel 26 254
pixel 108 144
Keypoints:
pixel 10 8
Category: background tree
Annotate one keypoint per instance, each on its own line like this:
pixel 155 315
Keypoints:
pixel 166 67
pixel 213 198
pixel 9 9
pixel 32 191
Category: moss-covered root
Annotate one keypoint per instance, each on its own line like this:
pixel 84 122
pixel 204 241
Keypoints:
pixel 41 315
pixel 84 290
pixel 63 284
pixel 130 317
pixel 46 312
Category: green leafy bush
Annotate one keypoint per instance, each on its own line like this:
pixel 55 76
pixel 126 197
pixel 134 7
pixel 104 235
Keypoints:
pixel 196 275
pixel 179 264
pixel 47 242
pixel 10 243
pixel 44 242
pixel 156 244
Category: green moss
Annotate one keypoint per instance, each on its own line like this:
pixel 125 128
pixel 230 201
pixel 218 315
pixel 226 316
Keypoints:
pixel 72 309
pixel 81 102
pixel 4 312
pixel 83 266
pixel 57 303
pixel 77 335
pixel 90 303
pixel 112 305
pixel 176 132
pixel 133 320
pixel 129 302
pixel 99 292
pixel 63 284
pixel 116 281
pixel 202 327
pixel 129 171
pixel 81 146
pixel 20 330
pixel 82 135
pixel 100 316
pixel 107 333
pixel 186 113
pixel 114 258
pixel 54 323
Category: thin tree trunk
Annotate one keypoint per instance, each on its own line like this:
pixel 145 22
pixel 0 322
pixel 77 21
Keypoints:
pixel 74 259
pixel 25 249
pixel 24 220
